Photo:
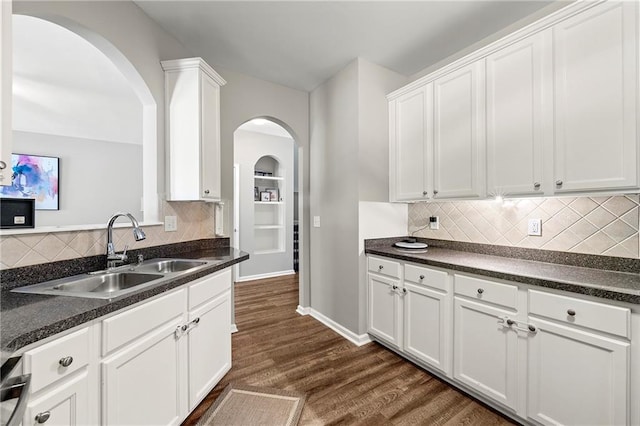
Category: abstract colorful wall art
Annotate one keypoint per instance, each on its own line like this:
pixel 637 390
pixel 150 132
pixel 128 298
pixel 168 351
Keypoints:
pixel 34 176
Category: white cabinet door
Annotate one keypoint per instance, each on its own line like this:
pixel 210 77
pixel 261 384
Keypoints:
pixel 66 403
pixel 6 94
pixel 519 88
pixel 484 354
pixel 426 326
pixel 577 377
pixel 410 135
pixel 209 347
pixel 385 310
pixel 596 91
pixel 210 139
pixel 141 384
pixel 459 139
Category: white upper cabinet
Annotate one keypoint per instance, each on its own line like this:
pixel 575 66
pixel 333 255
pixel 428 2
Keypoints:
pixel 596 92
pixel 6 94
pixel 192 102
pixel 519 87
pixel 410 136
pixel 459 139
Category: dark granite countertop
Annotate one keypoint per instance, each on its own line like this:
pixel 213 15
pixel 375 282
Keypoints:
pixel 603 283
pixel 27 318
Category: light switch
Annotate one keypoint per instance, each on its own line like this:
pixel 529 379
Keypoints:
pixel 316 221
pixel 170 223
pixel 535 227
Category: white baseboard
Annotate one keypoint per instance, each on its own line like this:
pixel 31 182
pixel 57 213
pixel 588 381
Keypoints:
pixel 303 311
pixel 357 340
pixel 267 275
pixel 234 328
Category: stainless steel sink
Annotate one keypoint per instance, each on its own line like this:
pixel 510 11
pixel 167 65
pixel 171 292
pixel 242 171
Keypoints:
pixel 117 282
pixel 167 266
pixel 106 283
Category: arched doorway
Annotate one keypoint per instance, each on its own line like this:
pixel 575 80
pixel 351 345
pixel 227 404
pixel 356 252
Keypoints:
pixel 266 199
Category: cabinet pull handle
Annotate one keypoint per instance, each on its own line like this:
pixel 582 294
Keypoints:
pixel 380 267
pixel 571 313
pixel 435 191
pixel 206 191
pixel 532 328
pixel 558 182
pixel 196 321
pixel 66 361
pixel 424 192
pixel 480 290
pixel 536 185
pixel 43 417
pixel 395 287
pixel 3 165
pixel 404 291
pixel 422 277
pixel 510 322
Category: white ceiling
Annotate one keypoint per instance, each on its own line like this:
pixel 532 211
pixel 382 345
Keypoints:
pixel 301 44
pixel 267 127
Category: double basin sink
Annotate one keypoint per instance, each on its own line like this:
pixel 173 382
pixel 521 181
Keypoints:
pixel 116 282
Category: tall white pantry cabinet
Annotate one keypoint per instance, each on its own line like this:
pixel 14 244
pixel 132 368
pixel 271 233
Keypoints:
pixel 550 109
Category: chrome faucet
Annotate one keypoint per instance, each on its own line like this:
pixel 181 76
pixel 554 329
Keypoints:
pixel 113 258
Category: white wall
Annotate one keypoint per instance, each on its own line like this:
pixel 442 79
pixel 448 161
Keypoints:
pixel 249 147
pixel 244 98
pixel 97 178
pixel 349 148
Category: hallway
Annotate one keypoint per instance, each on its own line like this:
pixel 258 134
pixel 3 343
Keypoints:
pixel 345 384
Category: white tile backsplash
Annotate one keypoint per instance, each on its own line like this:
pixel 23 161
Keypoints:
pixel 592 225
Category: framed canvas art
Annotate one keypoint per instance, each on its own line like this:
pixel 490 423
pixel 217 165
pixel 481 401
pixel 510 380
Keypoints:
pixel 34 176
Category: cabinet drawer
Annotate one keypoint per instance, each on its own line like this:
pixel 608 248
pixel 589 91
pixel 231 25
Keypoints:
pixel 570 310
pixel 46 363
pixel 384 267
pixel 127 326
pixel 488 291
pixel 208 287
pixel 425 276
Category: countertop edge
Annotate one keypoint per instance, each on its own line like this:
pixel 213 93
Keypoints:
pixel 610 294
pixel 49 330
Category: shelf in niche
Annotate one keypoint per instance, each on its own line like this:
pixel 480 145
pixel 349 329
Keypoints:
pixel 269 177
pixel 269 226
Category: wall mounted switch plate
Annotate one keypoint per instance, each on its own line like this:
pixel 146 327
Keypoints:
pixel 316 221
pixel 170 223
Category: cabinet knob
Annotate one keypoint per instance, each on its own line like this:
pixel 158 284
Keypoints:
pixel 184 327
pixel 435 191
pixel 510 321
pixel 571 313
pixel 206 191
pixel 532 328
pixel 480 290
pixel 424 192
pixel 558 183
pixel 536 185
pixel 3 165
pixel 197 320
pixel 380 267
pixel 404 290
pixel 66 361
pixel 422 277
pixel 43 417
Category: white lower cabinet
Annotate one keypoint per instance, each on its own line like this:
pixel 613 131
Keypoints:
pixel 148 365
pixel 209 347
pixel 65 403
pixel 484 353
pixel 140 384
pixel 540 356
pixel 577 377
pixel 385 310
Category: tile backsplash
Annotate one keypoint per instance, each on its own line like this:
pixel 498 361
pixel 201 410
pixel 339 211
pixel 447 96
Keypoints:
pixel 195 221
pixel 593 225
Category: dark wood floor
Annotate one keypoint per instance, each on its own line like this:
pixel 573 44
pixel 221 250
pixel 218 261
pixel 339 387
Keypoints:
pixel 345 384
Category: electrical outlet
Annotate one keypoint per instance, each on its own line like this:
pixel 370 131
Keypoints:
pixel 316 221
pixel 535 227
pixel 170 223
pixel 434 222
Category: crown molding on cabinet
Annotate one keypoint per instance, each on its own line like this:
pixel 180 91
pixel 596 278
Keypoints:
pixel 186 63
